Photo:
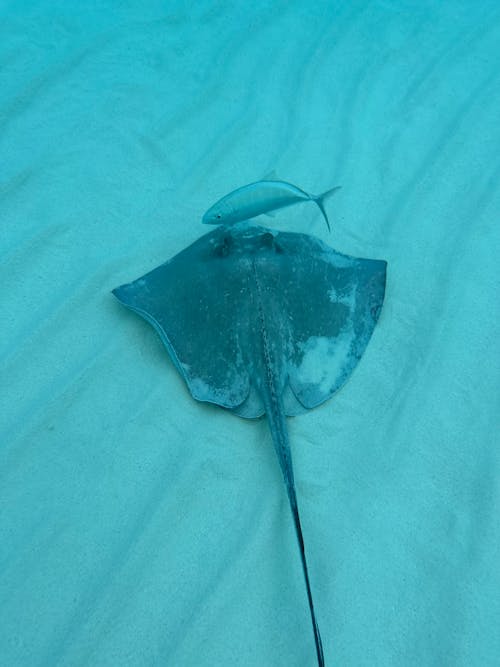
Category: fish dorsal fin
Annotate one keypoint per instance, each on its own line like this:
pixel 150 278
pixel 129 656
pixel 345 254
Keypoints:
pixel 272 176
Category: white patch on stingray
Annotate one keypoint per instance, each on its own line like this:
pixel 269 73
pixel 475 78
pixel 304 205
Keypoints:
pixel 324 360
pixel 233 391
pixel 347 299
pixel 338 260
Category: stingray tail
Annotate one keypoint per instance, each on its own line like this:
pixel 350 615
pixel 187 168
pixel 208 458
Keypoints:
pixel 320 201
pixel 279 432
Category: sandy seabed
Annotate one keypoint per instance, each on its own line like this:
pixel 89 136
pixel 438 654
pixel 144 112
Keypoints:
pixel 139 527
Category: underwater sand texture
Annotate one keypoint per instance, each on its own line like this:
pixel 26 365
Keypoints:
pixel 138 527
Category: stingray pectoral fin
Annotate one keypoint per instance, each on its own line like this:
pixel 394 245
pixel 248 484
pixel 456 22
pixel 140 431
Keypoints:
pixel 340 300
pixel 196 320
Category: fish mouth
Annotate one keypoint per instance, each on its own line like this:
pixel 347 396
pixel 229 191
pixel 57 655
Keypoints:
pixel 212 220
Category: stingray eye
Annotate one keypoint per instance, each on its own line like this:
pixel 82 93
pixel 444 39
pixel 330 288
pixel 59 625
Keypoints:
pixel 223 248
pixel 267 240
pixel 219 216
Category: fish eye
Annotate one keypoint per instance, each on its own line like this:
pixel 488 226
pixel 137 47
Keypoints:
pixel 219 216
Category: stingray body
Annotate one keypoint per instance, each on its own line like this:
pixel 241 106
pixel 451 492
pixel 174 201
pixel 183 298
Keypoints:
pixel 263 322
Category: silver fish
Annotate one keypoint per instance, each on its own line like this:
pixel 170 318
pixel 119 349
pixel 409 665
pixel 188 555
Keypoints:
pixel 261 197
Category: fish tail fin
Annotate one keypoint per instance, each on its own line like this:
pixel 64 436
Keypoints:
pixel 320 201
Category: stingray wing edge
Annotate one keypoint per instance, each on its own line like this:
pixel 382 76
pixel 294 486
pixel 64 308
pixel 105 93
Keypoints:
pixel 198 389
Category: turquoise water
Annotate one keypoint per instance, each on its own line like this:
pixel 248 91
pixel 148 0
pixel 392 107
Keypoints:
pixel 138 527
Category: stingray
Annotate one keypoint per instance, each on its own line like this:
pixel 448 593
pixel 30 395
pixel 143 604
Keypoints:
pixel 263 322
